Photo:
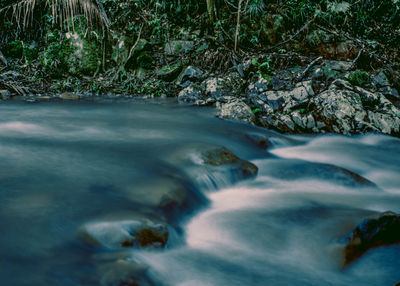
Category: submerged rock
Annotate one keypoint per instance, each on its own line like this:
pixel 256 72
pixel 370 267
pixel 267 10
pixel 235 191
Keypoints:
pixel 130 233
pixel 373 232
pixel 125 272
pixel 220 156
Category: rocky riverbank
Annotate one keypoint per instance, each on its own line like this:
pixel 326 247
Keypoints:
pixel 328 97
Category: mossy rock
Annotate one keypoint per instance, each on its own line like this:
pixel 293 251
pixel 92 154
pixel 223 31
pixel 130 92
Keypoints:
pixel 86 56
pixel 318 37
pixel 170 72
pixel 145 60
pixel 70 54
pixel 152 237
pixel 141 45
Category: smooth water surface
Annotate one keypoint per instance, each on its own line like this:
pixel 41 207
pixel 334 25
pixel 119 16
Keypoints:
pixel 64 165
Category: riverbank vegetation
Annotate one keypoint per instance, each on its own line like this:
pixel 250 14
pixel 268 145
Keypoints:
pixel 119 46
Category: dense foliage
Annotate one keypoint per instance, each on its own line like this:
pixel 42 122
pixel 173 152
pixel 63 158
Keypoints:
pixel 124 38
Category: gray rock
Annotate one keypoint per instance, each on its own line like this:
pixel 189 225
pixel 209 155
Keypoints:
pixel 190 74
pixel 273 99
pixel 310 122
pixel 236 110
pixel 192 93
pixel 215 87
pixel 4 94
pixel 298 119
pixel 385 123
pixel 285 120
pixel 302 91
pixel 260 86
pixel 380 80
pixel 178 47
pixel 340 66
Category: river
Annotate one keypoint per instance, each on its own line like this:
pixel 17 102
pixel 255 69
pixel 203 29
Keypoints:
pixel 67 165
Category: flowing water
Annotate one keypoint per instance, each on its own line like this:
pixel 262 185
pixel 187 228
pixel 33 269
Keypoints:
pixel 65 165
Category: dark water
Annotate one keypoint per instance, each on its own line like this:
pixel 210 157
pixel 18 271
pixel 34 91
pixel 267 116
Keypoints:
pixel 66 165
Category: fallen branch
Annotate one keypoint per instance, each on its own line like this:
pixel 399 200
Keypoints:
pixel 338 33
pixel 134 45
pixel 353 64
pixel 293 36
pixel 18 89
pixel 310 65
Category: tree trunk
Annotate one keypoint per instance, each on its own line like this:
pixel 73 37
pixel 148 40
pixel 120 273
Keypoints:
pixel 238 25
pixel 210 10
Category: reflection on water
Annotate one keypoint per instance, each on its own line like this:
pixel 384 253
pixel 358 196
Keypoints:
pixel 65 165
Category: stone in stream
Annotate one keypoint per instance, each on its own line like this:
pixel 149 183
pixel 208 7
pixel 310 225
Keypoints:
pixel 119 269
pixel 129 233
pixel 373 232
pixel 221 156
pixel 291 170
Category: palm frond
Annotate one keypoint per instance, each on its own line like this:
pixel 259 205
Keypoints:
pixel 22 11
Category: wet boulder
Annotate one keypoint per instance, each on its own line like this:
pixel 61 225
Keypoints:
pixel 125 272
pixel 128 233
pixel 373 232
pixel 261 141
pixel 291 170
pixel 221 156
